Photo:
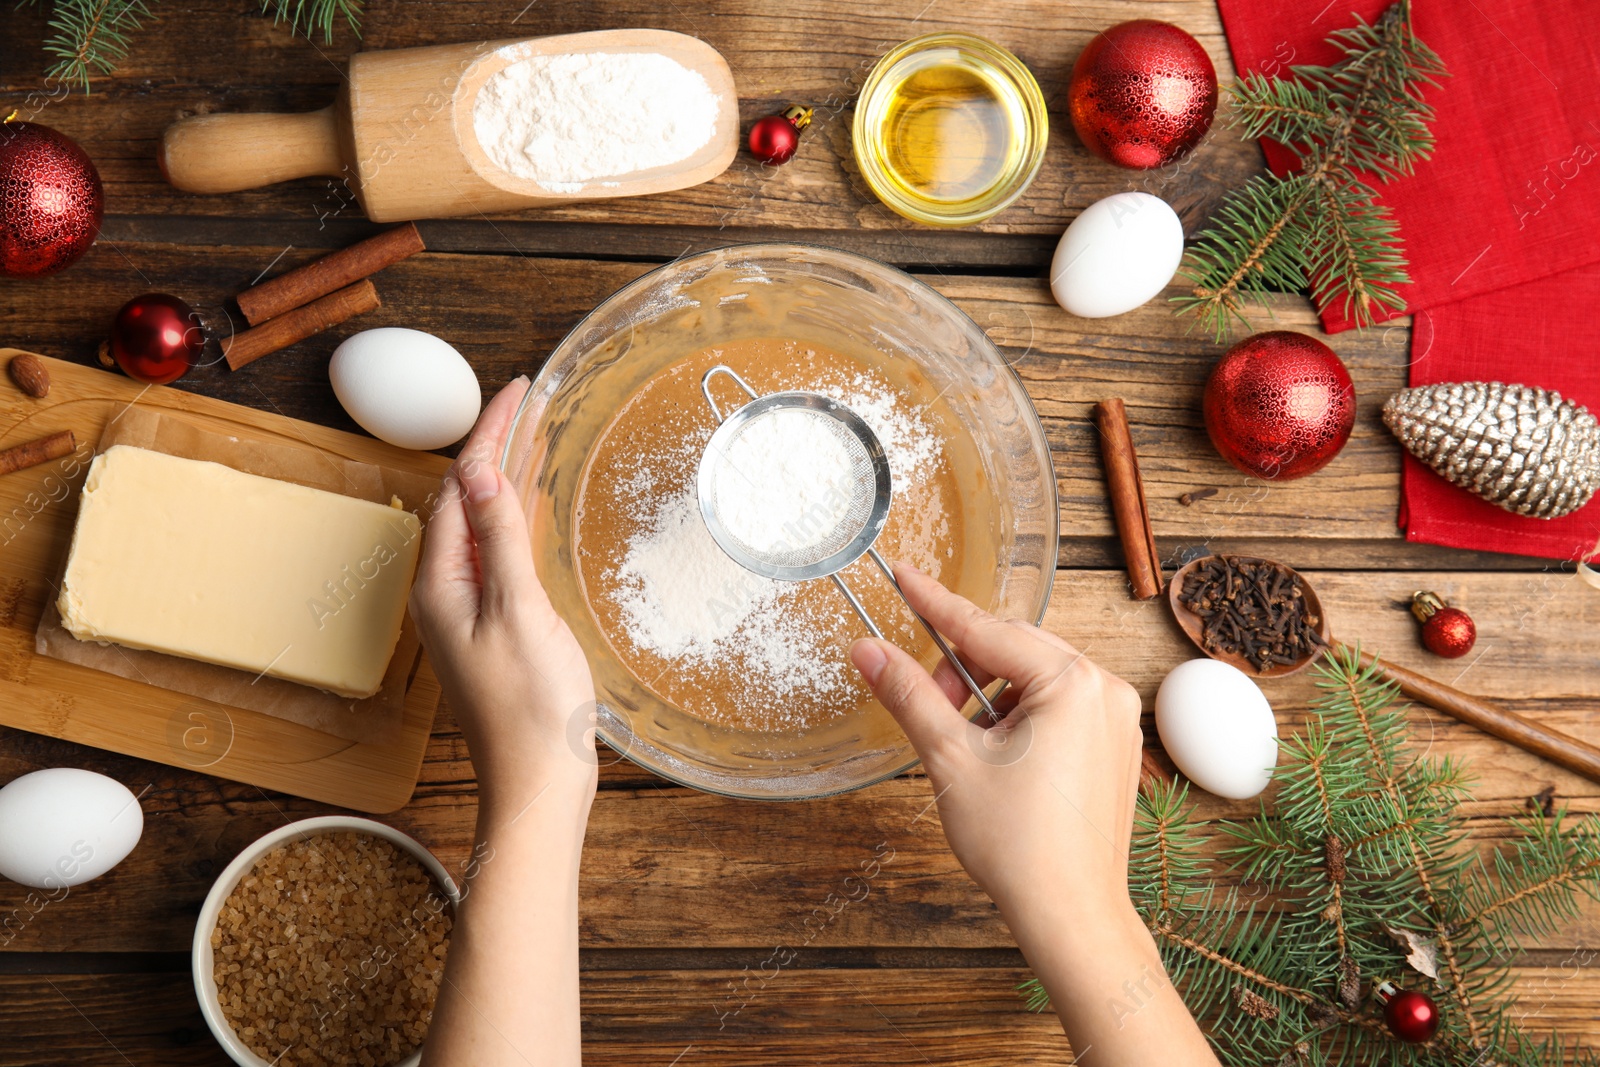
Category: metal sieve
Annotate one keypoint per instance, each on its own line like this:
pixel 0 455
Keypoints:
pixel 829 534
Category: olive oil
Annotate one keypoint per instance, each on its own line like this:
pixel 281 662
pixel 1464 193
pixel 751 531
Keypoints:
pixel 948 133
pixel 950 129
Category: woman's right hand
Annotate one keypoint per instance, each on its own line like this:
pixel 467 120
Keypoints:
pixel 1042 800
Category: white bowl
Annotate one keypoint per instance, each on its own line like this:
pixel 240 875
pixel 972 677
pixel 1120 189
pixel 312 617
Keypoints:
pixel 201 958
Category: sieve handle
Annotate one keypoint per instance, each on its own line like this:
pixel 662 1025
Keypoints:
pixel 705 387
pixel 949 653
pixel 861 611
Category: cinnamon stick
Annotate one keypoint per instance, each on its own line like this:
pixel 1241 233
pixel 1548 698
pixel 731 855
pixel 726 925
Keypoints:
pixel 283 331
pixel 1127 499
pixel 43 450
pixel 320 277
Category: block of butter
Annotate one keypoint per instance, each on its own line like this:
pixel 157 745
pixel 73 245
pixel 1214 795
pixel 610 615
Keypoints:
pixel 199 560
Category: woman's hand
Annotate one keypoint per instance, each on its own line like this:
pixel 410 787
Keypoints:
pixel 1039 809
pixel 511 670
pixel 521 692
pixel 1045 797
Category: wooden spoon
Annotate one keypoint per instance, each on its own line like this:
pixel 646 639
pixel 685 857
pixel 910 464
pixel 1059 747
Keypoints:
pixel 1559 748
pixel 400 135
pixel 1193 624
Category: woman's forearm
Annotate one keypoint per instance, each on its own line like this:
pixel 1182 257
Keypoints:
pixel 510 991
pixel 1107 984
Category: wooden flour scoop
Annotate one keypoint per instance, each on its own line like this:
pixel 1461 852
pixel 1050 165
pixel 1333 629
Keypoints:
pixel 401 132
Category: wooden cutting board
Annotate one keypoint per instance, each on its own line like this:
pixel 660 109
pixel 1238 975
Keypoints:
pixel 48 696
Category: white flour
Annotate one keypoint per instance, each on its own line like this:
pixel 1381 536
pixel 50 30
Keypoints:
pixel 565 120
pixel 785 482
pixel 684 591
pixel 683 599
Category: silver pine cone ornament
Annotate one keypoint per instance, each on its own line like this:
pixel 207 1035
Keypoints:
pixel 1519 447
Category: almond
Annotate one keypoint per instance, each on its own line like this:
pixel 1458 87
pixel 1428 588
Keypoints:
pixel 30 375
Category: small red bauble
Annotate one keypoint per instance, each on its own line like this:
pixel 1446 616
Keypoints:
pixel 156 338
pixel 1446 631
pixel 50 200
pixel 1411 1016
pixel 1280 405
pixel 1142 94
pixel 775 138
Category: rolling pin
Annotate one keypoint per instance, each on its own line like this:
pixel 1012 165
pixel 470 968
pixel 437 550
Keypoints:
pixel 400 133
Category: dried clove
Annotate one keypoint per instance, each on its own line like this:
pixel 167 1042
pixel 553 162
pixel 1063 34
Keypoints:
pixel 1190 498
pixel 1253 609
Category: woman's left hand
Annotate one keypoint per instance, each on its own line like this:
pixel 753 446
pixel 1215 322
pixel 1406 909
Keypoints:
pixel 513 673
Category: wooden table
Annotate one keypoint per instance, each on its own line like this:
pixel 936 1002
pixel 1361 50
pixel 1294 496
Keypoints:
pixel 685 895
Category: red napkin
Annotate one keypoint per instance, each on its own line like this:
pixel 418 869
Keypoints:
pixel 1504 336
pixel 1495 223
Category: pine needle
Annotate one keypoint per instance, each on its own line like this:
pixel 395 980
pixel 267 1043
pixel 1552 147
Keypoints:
pixel 89 36
pixel 1322 228
pixel 306 16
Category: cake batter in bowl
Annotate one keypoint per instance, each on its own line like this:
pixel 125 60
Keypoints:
pixel 706 674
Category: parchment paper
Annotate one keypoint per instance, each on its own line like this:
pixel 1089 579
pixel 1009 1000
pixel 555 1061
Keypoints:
pixel 375 719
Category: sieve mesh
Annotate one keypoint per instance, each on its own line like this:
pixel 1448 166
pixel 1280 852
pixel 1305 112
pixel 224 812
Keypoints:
pixel 828 519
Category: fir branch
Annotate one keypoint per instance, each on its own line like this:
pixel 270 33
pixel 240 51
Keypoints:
pixel 306 16
pixel 89 36
pixel 1345 670
pixel 1322 228
pixel 1531 887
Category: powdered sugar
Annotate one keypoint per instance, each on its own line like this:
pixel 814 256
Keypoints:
pixel 787 481
pixel 565 120
pixel 683 594
pixel 683 600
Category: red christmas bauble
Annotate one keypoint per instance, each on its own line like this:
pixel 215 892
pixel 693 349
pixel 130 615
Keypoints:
pixel 1142 94
pixel 1411 1016
pixel 156 338
pixel 1450 633
pixel 1279 405
pixel 1446 631
pixel 50 200
pixel 775 138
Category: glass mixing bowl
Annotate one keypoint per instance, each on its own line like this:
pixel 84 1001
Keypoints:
pixel 812 295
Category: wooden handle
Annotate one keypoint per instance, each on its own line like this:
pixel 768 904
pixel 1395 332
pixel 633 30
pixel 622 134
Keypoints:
pixel 227 153
pixel 1564 750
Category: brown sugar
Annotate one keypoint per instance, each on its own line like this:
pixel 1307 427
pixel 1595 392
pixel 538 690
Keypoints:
pixel 331 950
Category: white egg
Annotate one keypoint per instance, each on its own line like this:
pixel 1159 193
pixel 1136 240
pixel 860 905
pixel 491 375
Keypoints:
pixel 1218 728
pixel 62 826
pixel 1119 253
pixel 406 387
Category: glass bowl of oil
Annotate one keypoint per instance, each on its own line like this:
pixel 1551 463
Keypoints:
pixel 949 129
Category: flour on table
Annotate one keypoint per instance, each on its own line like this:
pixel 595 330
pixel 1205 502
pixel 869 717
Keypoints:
pixel 566 120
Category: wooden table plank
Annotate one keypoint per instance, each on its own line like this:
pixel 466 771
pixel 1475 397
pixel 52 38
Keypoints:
pixel 684 893
pixel 667 866
pixel 970 1017
pixel 506 312
pixel 817 53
